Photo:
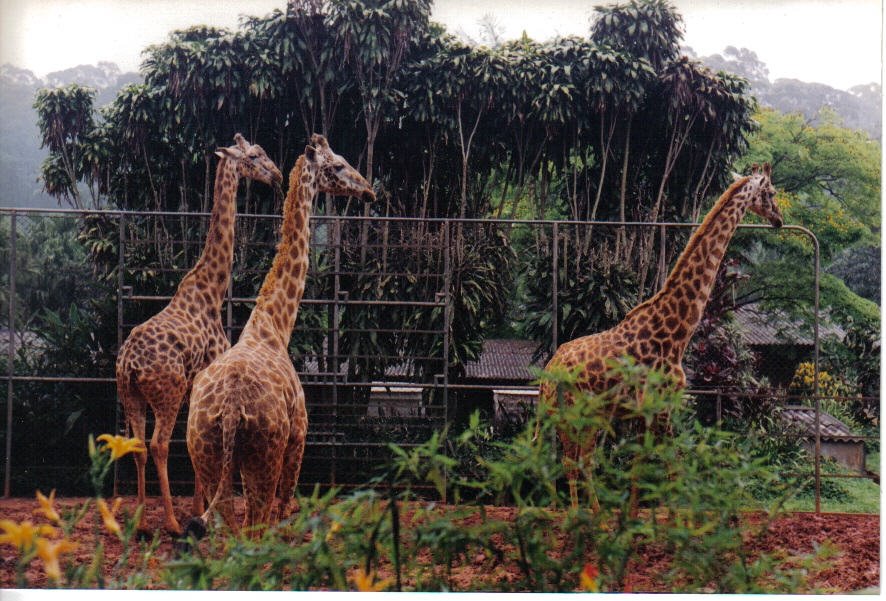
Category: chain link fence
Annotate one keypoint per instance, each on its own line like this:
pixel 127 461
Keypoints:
pixel 386 342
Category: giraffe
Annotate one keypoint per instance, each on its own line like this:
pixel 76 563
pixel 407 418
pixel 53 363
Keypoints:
pixel 159 359
pixel 247 409
pixel 658 330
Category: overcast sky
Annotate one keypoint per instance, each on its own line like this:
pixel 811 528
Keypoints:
pixel 837 42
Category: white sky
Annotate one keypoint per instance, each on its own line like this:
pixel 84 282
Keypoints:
pixel 837 42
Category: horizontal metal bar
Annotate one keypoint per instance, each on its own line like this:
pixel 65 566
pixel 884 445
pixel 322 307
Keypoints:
pixel 68 379
pixel 308 301
pixel 824 475
pixel 360 218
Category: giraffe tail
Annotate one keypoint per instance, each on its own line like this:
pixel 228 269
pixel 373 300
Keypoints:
pixel 230 421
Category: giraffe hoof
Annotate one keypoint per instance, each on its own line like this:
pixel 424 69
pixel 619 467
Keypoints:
pixel 196 528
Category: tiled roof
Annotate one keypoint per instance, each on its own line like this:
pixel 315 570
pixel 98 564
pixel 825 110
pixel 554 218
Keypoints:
pixel 504 359
pixel 831 428
pixel 774 327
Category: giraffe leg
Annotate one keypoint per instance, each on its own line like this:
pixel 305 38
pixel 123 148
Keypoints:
pixel 262 464
pixel 164 422
pixel 570 460
pixel 135 413
pixel 289 477
pixel 259 490
pixel 206 478
pixel 575 457
pixel 198 504
pixel 584 454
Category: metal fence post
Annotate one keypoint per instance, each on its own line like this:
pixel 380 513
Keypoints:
pixel 121 266
pixel 815 390
pixel 336 292
pixel 229 313
pixel 10 358
pixel 447 317
pixel 555 268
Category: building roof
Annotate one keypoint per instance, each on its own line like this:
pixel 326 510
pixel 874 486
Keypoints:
pixel 504 359
pixel 832 429
pixel 775 327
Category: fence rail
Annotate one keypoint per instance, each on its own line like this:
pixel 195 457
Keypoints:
pixel 359 399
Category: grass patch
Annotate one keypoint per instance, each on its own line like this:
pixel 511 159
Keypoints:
pixel 843 495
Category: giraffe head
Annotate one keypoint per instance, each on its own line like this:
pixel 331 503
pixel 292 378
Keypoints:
pixel 762 194
pixel 334 174
pixel 251 160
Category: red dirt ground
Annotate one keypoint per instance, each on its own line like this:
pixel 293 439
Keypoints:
pixel 855 537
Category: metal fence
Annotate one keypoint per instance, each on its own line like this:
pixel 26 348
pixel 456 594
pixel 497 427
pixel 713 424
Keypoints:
pixel 370 344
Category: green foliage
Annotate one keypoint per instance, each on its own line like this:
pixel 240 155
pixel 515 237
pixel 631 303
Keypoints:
pixel 49 542
pixel 699 478
pixel 449 131
pixel 859 267
pixel 692 483
pixel 57 306
pixel 67 125
pixel 591 296
pixel 829 174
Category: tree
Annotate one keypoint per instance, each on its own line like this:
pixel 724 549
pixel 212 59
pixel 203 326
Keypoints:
pixel 829 176
pixel 448 130
pixel 376 36
pixel 859 268
pixel 65 119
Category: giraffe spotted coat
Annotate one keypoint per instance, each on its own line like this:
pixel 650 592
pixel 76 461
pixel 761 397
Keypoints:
pixel 247 409
pixel 657 332
pixel 159 359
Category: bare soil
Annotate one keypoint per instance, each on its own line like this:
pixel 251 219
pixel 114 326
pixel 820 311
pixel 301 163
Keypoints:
pixel 854 537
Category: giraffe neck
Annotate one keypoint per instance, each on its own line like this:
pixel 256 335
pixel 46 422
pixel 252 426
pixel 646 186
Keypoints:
pixel 282 290
pixel 680 303
pixel 207 283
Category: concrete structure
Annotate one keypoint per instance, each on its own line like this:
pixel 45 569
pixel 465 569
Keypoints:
pixel 837 440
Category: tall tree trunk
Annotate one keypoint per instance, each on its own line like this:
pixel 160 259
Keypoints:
pixel 620 242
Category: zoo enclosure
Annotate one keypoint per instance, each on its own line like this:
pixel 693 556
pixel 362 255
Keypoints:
pixel 384 280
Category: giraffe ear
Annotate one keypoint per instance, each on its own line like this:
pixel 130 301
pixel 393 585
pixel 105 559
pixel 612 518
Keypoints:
pixel 736 176
pixel 767 169
pixel 311 153
pixel 229 152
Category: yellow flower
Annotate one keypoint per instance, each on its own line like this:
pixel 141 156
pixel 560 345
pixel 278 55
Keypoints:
pixel 336 526
pixel 588 578
pixel 120 446
pixel 49 552
pixel 46 507
pixel 110 522
pixel 365 583
pixel 22 535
